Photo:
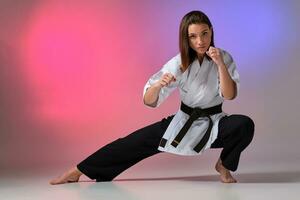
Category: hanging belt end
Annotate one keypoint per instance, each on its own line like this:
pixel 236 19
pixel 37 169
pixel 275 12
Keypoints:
pixel 174 143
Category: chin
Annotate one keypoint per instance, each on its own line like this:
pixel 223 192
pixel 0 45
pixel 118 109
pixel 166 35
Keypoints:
pixel 201 53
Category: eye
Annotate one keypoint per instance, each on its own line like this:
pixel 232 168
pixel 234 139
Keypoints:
pixel 205 33
pixel 192 36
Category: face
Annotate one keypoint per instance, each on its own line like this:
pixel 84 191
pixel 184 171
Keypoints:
pixel 199 38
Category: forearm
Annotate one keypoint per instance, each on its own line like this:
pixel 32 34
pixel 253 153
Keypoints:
pixel 152 94
pixel 227 85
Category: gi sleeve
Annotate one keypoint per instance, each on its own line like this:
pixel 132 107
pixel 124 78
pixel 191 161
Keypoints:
pixel 231 67
pixel 172 66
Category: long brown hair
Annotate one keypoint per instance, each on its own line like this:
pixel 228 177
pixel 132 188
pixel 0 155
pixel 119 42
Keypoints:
pixel 188 55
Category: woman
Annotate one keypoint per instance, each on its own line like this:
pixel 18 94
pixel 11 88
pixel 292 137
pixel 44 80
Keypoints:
pixel 205 77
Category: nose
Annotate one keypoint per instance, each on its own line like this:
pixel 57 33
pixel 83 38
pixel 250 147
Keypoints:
pixel 199 40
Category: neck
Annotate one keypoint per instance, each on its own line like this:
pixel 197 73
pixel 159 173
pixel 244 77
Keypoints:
pixel 200 58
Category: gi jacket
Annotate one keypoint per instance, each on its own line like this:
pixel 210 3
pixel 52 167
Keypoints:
pixel 198 87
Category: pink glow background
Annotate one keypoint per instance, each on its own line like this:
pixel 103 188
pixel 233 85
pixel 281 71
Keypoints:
pixel 72 73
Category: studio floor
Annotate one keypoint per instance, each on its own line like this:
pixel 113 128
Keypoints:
pixel 281 182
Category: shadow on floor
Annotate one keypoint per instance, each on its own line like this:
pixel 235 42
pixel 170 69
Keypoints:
pixel 261 177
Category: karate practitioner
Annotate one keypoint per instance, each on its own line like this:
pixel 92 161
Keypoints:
pixel 205 76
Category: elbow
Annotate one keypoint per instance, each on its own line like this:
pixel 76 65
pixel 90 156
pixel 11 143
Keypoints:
pixel 152 105
pixel 232 95
pixel 228 97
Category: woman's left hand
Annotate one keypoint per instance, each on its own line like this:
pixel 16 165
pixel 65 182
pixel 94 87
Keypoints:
pixel 215 55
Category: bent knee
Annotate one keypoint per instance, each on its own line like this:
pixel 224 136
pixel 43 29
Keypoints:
pixel 248 128
pixel 246 125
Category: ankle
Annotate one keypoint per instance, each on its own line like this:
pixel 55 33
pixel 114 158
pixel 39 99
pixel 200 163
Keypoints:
pixel 76 172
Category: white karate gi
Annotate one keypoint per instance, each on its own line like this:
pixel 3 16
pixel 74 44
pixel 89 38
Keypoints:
pixel 198 87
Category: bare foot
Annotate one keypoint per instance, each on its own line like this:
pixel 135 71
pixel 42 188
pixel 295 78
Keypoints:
pixel 225 175
pixel 70 176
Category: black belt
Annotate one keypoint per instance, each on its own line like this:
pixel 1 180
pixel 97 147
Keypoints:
pixel 195 113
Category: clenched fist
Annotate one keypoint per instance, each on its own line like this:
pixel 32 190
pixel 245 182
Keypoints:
pixel 166 79
pixel 215 55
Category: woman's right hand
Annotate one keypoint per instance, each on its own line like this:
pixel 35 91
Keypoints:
pixel 166 79
pixel 152 93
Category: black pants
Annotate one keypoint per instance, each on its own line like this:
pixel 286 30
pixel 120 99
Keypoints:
pixel 235 134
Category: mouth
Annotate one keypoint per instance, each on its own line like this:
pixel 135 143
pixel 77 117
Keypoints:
pixel 201 47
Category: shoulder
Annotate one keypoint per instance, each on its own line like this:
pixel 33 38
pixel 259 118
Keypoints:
pixel 173 65
pixel 174 61
pixel 226 56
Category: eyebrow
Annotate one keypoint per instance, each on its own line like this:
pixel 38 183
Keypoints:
pixel 201 31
